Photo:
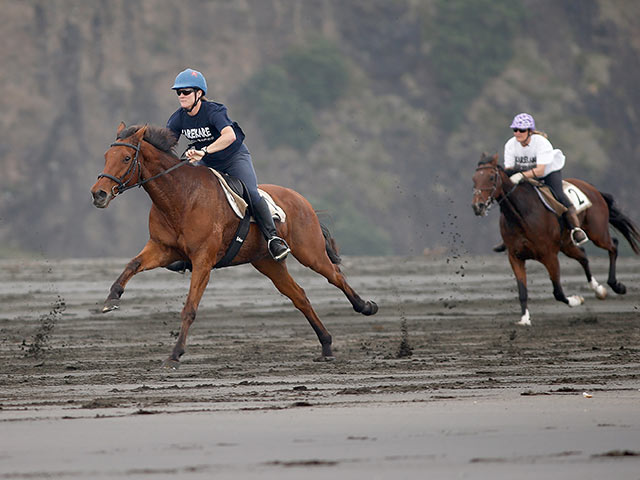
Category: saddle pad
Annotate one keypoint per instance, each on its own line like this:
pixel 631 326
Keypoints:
pixel 239 205
pixel 575 195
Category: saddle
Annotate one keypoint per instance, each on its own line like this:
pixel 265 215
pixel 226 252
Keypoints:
pixel 238 197
pixel 575 195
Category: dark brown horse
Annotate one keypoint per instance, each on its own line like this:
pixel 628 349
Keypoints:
pixel 531 232
pixel 190 219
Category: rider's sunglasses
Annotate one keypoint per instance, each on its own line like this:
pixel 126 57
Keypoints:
pixel 521 130
pixel 184 92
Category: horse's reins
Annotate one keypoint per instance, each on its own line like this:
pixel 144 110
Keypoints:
pixel 122 184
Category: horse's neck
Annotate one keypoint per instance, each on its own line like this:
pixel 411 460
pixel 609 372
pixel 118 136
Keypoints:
pixel 167 192
pixel 519 207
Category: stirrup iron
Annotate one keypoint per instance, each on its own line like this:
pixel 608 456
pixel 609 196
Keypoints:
pixel 282 255
pixel 578 229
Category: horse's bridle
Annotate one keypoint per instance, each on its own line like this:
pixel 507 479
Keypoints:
pixel 120 182
pixel 487 204
pixel 135 164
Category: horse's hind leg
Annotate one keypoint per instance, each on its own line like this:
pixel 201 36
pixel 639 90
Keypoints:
pixel 580 255
pixel 596 225
pixel 152 255
pixel 612 248
pixel 612 281
pixel 336 278
pixel 318 261
pixel 279 275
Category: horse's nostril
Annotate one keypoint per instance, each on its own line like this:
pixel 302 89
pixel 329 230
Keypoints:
pixel 99 195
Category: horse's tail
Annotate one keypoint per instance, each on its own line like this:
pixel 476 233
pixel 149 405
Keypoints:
pixel 622 223
pixel 330 245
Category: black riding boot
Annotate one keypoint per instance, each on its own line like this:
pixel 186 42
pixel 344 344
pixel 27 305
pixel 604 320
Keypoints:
pixel 499 248
pixel 179 266
pixel 578 237
pixel 278 248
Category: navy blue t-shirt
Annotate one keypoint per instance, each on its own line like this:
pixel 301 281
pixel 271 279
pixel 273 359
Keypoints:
pixel 204 128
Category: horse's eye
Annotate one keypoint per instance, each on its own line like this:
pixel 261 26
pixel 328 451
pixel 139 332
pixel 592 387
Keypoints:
pixel 127 159
pixel 492 178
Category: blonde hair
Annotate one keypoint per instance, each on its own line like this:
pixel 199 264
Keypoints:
pixel 536 132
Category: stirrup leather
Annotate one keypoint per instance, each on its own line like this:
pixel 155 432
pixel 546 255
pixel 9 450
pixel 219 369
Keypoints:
pixel 575 230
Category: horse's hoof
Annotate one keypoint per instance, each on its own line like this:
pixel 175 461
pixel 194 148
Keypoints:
pixel 525 320
pixel 619 288
pixel 324 358
pixel 171 364
pixel 110 305
pixel 575 300
pixel 601 292
pixel 370 308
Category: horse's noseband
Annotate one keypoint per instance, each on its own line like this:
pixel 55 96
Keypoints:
pixel 120 182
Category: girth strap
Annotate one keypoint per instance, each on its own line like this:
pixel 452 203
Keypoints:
pixel 238 241
pixel 241 232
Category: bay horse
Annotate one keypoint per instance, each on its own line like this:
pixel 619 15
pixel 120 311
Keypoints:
pixel 190 219
pixel 531 232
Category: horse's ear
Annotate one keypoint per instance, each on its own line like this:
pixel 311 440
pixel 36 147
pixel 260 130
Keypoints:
pixel 121 127
pixel 494 159
pixel 139 135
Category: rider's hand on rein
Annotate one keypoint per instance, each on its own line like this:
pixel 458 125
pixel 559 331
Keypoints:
pixel 195 155
pixel 516 177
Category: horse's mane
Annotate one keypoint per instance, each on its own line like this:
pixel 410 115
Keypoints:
pixel 485 159
pixel 161 138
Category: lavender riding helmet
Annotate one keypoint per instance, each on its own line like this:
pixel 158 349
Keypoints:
pixel 523 120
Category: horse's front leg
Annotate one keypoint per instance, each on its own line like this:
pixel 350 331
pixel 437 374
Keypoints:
pixel 518 267
pixel 199 279
pixel 152 255
pixel 552 265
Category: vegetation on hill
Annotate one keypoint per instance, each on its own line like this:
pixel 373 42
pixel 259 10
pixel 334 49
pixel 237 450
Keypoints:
pixel 375 110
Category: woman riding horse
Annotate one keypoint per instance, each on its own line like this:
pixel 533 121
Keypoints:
pixel 218 143
pixel 531 155
pixel 531 232
pixel 191 219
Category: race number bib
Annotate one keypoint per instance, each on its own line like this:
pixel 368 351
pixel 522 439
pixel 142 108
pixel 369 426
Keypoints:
pixel 577 196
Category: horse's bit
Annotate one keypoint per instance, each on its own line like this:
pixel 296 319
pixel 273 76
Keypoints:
pixel 135 164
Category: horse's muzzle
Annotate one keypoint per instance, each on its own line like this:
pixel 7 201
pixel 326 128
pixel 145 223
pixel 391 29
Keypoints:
pixel 101 198
pixel 480 209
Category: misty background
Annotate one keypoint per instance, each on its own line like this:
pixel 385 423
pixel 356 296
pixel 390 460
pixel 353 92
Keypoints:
pixel 377 111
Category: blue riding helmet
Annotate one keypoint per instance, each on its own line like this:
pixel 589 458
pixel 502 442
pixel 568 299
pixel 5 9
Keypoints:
pixel 190 78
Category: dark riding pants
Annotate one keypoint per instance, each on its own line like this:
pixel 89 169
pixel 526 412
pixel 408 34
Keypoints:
pixel 554 182
pixel 241 166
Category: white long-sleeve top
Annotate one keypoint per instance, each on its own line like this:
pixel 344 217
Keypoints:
pixel 539 151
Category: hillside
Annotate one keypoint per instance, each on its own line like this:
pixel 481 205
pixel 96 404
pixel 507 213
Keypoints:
pixel 375 110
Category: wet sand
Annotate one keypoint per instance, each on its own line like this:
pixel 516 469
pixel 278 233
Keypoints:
pixel 84 394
